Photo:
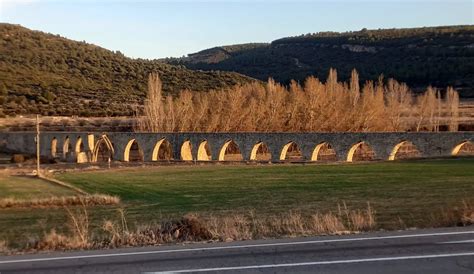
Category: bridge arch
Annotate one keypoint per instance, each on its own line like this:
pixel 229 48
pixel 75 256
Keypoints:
pixel 80 154
pixel 103 150
pixel 260 152
pixel 324 152
pixel 67 148
pixel 3 143
pixel 230 151
pixel 204 151
pixel 79 147
pixel 360 151
pixel 133 152
pixel 404 150
pixel 186 151
pixel 162 151
pixel 464 148
pixel 54 147
pixel 291 152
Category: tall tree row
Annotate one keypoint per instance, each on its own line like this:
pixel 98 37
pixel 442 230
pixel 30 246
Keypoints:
pixel 314 106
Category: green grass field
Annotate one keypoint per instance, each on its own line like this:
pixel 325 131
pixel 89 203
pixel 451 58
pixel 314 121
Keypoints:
pixel 413 191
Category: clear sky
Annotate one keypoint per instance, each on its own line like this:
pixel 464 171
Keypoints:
pixel 155 29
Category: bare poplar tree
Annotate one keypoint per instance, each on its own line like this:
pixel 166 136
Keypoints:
pixel 330 106
pixel 153 111
pixel 452 109
pixel 354 87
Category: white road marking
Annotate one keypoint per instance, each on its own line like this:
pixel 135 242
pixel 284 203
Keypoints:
pixel 431 256
pixel 167 251
pixel 459 242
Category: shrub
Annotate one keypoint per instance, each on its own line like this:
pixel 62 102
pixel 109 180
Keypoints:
pixel 18 158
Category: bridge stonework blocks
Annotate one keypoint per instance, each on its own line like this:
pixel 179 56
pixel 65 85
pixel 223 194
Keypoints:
pixel 83 146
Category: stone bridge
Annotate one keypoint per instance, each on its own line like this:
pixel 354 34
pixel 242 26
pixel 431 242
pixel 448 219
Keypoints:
pixel 266 147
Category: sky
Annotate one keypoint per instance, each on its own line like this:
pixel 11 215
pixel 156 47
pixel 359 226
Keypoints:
pixel 156 29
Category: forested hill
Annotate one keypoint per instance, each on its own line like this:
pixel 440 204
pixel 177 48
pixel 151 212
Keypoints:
pixel 47 74
pixel 438 56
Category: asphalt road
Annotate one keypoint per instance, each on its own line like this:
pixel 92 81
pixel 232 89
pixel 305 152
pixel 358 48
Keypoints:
pixel 418 251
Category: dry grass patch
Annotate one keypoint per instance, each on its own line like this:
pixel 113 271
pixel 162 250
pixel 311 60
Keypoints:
pixel 3 247
pixel 88 200
pixel 58 241
pixel 457 216
pixel 291 224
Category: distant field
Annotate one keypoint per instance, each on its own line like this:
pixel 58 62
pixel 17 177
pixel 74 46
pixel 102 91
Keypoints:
pixel 22 187
pixel 17 224
pixel 412 191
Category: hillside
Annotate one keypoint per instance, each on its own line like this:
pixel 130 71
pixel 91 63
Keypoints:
pixel 438 56
pixel 47 74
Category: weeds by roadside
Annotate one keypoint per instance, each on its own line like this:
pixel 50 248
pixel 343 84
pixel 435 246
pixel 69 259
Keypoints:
pixel 3 247
pixel 291 224
pixel 193 227
pixel 458 216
